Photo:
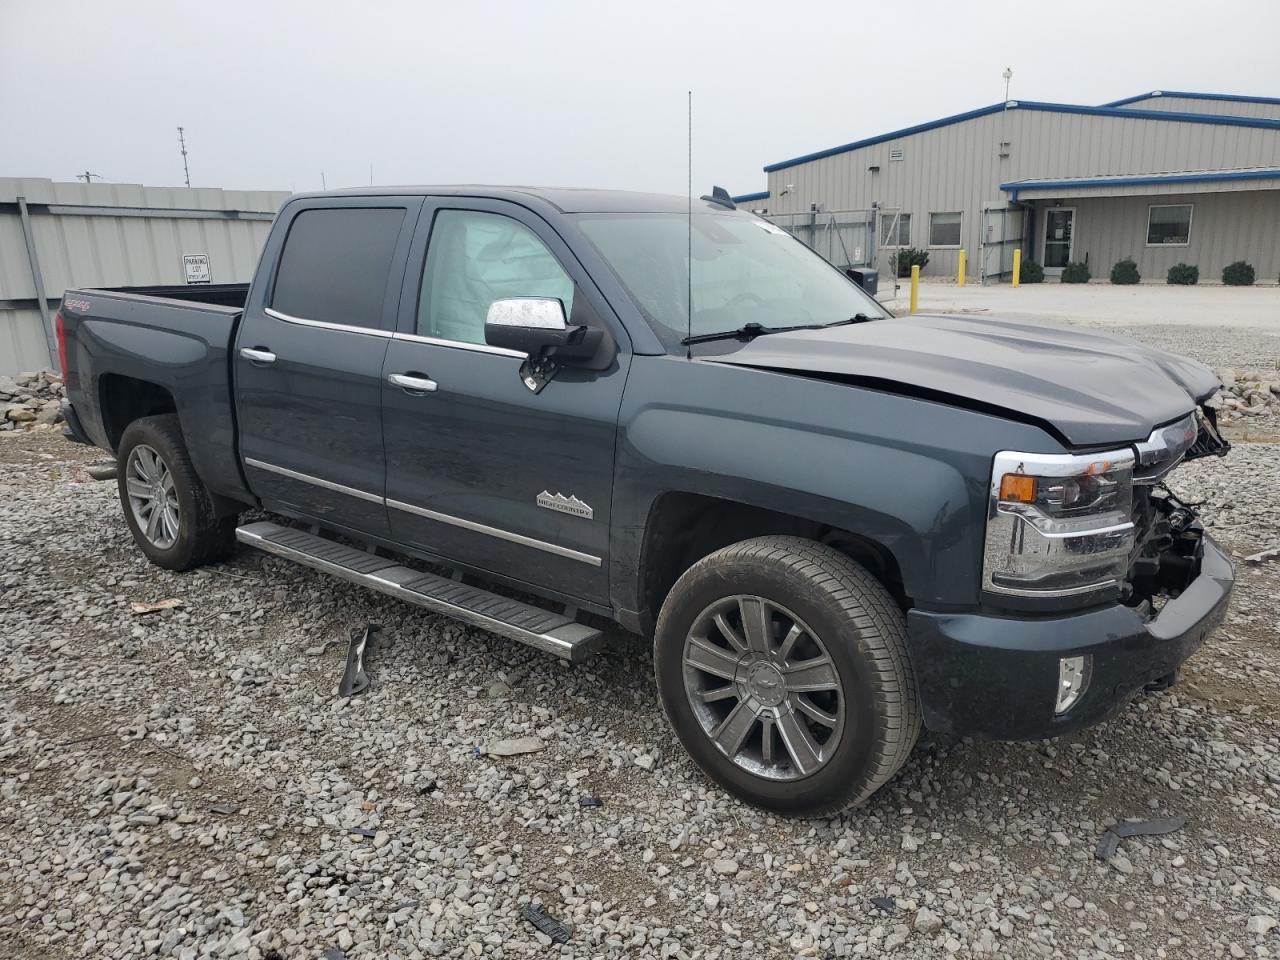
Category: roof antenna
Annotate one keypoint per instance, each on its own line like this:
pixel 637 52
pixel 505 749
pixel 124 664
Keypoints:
pixel 688 347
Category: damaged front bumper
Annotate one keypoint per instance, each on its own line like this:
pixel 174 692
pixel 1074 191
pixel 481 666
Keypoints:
pixel 998 677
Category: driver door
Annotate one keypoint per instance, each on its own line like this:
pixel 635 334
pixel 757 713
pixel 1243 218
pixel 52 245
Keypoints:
pixel 481 471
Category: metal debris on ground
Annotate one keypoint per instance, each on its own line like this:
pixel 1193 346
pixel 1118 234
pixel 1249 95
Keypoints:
pixel 226 809
pixel 1262 556
pixel 354 679
pixel 106 470
pixel 1109 842
pixel 546 923
pixel 514 747
pixel 886 904
pixel 363 832
pixel 154 606
pixel 590 800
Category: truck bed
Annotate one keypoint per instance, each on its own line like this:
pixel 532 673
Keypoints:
pixel 137 351
pixel 215 294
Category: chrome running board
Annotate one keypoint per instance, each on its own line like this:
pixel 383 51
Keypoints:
pixel 544 629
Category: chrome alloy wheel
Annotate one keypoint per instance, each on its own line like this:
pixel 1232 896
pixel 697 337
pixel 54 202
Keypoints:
pixel 763 687
pixel 152 496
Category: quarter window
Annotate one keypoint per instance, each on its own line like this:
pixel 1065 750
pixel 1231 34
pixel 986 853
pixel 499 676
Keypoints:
pixel 1169 225
pixel 476 258
pixel 335 264
pixel 895 229
pixel 944 229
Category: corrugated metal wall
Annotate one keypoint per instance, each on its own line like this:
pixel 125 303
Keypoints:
pixel 1232 108
pixel 112 235
pixel 959 167
pixel 1224 227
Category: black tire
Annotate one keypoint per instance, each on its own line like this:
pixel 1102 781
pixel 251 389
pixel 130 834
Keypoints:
pixel 864 633
pixel 202 536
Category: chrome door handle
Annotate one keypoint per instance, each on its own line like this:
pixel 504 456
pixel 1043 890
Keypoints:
pixel 257 355
pixel 411 384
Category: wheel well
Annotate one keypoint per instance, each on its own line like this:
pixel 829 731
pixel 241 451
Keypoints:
pixel 126 399
pixel 685 527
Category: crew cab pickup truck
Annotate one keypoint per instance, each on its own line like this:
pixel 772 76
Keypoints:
pixel 836 524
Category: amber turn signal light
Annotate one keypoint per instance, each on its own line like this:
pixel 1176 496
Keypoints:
pixel 1017 488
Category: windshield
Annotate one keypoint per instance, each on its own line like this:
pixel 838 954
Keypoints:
pixel 745 270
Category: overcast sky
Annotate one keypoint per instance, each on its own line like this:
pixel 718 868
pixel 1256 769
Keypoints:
pixel 561 93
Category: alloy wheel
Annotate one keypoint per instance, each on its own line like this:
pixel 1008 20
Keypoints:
pixel 764 688
pixel 152 496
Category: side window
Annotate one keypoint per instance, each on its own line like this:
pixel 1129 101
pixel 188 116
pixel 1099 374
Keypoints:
pixel 335 265
pixel 476 258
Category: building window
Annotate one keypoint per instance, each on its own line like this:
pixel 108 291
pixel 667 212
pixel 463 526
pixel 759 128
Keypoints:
pixel 1169 225
pixel 895 229
pixel 944 229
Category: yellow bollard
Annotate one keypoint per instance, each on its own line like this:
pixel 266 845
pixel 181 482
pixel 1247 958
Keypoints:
pixel 960 271
pixel 1017 267
pixel 915 287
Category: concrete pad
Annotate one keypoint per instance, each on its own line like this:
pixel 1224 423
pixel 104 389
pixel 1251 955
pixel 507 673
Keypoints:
pixel 1102 303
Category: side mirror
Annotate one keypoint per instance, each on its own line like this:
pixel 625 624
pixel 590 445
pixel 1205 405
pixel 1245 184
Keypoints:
pixel 536 326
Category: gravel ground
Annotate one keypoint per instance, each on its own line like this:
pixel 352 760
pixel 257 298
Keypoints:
pixel 185 784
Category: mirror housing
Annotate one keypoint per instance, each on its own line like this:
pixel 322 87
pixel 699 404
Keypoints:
pixel 537 327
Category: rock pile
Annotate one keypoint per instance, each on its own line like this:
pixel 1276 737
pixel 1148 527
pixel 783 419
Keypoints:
pixel 30 398
pixel 1248 394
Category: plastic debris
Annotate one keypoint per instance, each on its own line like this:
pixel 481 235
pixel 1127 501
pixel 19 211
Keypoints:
pixel 354 679
pixel 546 923
pixel 1262 556
pixel 511 748
pixel 363 832
pixel 886 904
pixel 590 800
pixel 333 953
pixel 1109 842
pixel 155 606
pixel 225 809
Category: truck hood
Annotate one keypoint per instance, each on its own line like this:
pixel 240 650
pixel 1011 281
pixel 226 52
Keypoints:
pixel 1088 388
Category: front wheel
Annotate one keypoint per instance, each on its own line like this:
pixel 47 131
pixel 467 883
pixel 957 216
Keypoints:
pixel 166 505
pixel 783 668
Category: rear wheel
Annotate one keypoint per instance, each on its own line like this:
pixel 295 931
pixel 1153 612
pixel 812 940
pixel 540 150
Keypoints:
pixel 167 507
pixel 783 667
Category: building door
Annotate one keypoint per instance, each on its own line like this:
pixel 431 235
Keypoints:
pixel 1058 228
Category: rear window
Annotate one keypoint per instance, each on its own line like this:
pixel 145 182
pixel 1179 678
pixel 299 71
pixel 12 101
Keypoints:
pixel 335 265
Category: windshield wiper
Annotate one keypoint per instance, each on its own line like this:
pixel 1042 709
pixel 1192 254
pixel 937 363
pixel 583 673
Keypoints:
pixel 749 331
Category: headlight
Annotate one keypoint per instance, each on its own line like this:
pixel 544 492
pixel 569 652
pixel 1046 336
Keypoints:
pixel 1059 524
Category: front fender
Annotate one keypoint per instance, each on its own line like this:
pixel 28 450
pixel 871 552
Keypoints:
pixel 908 474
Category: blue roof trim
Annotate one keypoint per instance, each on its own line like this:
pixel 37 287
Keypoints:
pixel 1211 176
pixel 906 131
pixel 749 197
pixel 1188 95
pixel 1170 115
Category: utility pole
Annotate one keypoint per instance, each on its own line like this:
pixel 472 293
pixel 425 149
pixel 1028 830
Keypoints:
pixel 182 142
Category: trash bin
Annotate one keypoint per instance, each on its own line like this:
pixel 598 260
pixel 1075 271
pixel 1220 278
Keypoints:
pixel 867 278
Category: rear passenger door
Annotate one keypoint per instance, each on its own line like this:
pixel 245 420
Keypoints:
pixel 309 356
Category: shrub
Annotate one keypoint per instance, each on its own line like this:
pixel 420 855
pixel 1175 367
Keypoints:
pixel 1076 273
pixel 1125 271
pixel 1031 272
pixel 1238 274
pixel 1185 274
pixel 906 258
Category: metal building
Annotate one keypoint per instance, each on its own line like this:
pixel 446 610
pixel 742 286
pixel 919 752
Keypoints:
pixel 59 235
pixel 1164 178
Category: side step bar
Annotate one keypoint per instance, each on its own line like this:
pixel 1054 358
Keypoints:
pixel 544 629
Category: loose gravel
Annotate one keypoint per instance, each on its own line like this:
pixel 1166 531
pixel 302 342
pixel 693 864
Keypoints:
pixel 184 783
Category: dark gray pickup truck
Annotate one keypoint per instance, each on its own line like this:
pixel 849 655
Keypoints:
pixel 837 525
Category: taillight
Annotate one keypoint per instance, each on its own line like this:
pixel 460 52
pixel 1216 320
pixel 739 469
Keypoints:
pixel 62 342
